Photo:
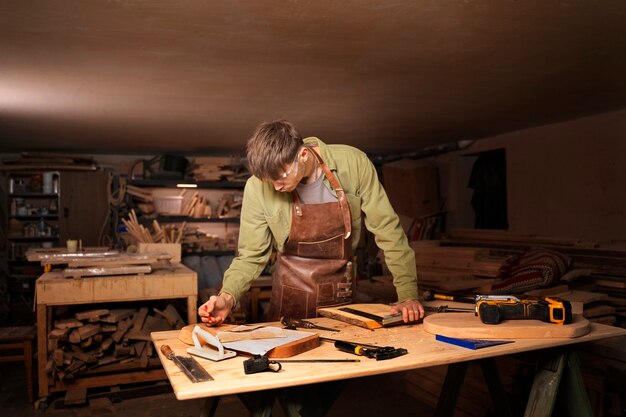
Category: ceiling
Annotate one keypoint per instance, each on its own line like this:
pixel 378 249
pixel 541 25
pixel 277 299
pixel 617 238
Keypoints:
pixel 197 76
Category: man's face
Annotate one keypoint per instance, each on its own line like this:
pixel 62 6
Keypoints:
pixel 291 176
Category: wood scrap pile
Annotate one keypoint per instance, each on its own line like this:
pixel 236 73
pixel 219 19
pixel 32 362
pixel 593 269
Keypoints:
pixel 171 233
pixel 102 340
pixel 218 169
pixel 197 241
pixel 197 206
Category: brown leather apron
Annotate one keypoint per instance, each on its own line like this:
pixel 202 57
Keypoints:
pixel 315 270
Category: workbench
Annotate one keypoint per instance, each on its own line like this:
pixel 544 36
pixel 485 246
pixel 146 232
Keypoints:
pixel 52 289
pixel 423 351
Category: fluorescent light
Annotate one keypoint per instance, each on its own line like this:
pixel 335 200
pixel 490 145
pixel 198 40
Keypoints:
pixel 187 185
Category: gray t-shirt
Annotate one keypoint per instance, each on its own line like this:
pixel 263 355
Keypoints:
pixel 316 192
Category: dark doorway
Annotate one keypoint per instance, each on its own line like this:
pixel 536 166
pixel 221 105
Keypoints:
pixel 488 180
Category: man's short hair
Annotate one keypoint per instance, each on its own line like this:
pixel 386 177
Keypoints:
pixel 272 146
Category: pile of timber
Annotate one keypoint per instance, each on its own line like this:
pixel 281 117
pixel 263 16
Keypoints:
pixel 596 280
pixel 102 341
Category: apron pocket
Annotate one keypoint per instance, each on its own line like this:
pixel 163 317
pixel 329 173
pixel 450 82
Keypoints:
pixel 294 302
pixel 331 248
pixel 325 293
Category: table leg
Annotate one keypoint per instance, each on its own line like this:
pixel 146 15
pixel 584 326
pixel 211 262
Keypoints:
pixel 451 389
pixel 192 309
pixel 42 349
pixel 574 388
pixel 560 374
pixel 210 406
pixel 496 389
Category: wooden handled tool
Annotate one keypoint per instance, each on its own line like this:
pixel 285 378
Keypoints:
pixel 190 367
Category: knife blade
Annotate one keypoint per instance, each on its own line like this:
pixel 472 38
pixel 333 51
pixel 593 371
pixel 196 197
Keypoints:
pixel 190 367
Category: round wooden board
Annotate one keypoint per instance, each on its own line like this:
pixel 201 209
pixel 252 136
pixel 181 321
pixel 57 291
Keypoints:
pixel 469 326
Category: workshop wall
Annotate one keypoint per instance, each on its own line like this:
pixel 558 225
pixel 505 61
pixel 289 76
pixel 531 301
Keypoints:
pixel 565 179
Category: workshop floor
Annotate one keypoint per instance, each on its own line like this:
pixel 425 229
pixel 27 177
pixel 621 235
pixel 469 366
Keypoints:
pixel 363 397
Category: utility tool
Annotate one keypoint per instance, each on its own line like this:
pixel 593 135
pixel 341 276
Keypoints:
pixel 431 295
pixel 263 363
pixel 494 309
pixel 293 324
pixel 190 367
pixel 388 320
pixel 378 353
pixel 446 309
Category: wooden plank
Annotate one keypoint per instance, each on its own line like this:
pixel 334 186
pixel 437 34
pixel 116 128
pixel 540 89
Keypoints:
pixel 337 314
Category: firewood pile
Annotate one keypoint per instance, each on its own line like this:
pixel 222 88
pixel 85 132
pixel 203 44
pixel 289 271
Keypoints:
pixel 103 340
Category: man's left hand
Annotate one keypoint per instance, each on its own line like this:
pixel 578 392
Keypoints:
pixel 412 310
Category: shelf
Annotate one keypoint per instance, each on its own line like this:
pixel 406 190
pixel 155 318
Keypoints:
pixel 180 219
pixel 200 184
pixel 33 195
pixel 36 217
pixel 32 239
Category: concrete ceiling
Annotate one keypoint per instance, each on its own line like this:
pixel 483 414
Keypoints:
pixel 196 76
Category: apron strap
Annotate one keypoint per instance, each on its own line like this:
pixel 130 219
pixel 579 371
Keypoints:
pixel 341 195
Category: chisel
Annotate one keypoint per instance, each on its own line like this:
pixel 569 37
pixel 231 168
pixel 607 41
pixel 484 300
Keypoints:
pixel 190 367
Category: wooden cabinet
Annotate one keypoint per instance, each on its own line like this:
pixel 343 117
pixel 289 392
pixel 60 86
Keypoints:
pixel 84 207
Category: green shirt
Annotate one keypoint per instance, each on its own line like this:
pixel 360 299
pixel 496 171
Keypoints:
pixel 266 219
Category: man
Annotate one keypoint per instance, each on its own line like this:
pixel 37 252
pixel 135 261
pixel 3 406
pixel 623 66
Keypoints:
pixel 308 198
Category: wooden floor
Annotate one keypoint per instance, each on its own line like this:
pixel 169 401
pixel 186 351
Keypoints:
pixel 364 397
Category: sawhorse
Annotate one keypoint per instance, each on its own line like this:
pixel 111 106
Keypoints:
pixel 558 374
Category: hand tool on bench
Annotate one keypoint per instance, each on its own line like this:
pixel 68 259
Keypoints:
pixel 431 295
pixel 190 367
pixel 378 353
pixel 261 363
pixel 293 324
pixel 446 309
pixel 493 309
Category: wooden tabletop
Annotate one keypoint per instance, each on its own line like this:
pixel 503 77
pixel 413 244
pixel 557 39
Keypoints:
pixel 423 351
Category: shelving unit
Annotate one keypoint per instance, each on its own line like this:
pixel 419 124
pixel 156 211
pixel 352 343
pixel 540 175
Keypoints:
pixel 43 208
pixel 171 185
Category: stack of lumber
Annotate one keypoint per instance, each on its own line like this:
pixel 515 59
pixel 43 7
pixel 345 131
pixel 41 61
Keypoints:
pixel 103 340
pixel 596 278
pixel 454 268
pixel 218 169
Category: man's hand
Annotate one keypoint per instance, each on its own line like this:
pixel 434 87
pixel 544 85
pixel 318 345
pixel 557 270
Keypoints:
pixel 215 311
pixel 412 310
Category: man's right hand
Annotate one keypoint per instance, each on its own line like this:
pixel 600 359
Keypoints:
pixel 215 311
